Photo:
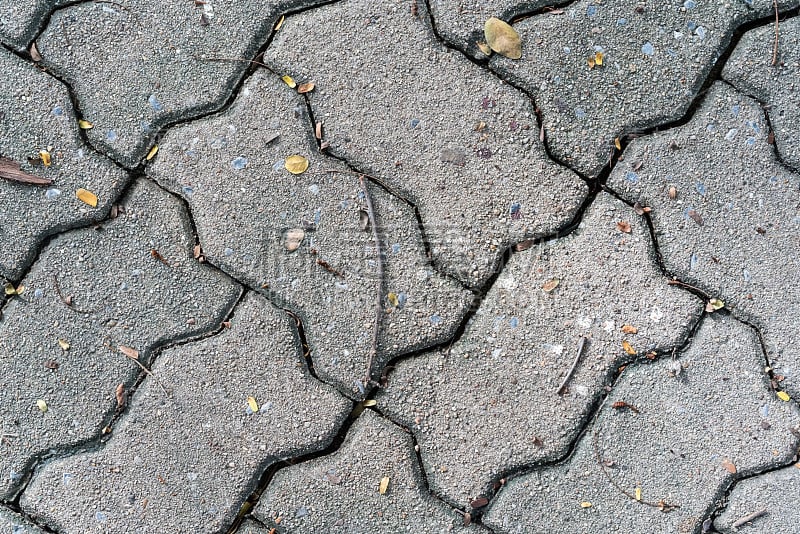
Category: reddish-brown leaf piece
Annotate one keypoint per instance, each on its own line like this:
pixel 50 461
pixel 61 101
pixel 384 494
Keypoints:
pixel 729 466
pixel 696 217
pixel 119 393
pixel 479 502
pixel 9 169
pixel 624 227
pixel 129 352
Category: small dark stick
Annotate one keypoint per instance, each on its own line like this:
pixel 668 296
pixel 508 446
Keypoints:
pixel 775 46
pixel 749 517
pixel 581 344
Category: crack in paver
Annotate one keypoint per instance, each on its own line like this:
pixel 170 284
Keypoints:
pixel 16 524
pixel 751 71
pixel 247 207
pixel 129 96
pixel 20 20
pixel 500 380
pixel 655 60
pixel 341 492
pixel 441 121
pixel 144 480
pixel 67 361
pixel 664 440
pixel 36 115
pixel 734 208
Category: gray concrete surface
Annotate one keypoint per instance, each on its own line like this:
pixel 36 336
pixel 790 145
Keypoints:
pixel 475 400
pixel 735 207
pixel 342 492
pixel 777 87
pixel 775 493
pixel 143 480
pixel 61 364
pixel 429 116
pixel 498 238
pixel 677 439
pixel 36 114
pixel 656 57
pixel 331 280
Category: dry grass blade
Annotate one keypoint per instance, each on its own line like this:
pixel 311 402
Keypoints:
pixel 9 169
pixel 777 24
pixel 379 261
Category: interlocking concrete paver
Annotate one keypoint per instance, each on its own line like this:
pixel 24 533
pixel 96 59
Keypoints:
pixel 732 227
pixel 452 138
pixel 776 492
pixel 676 441
pixel 340 492
pixel 128 95
pixel 230 169
pixel 144 480
pixel 20 20
pixel 492 398
pixel 16 524
pixel 656 58
pixel 36 114
pixel 64 358
pixel 750 69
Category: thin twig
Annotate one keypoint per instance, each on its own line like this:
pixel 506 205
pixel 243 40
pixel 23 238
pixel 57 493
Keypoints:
pixel 379 300
pixel 746 519
pixel 67 301
pixel 775 46
pixel 149 373
pixel 581 344
pixel 239 59
pixel 676 282
pixel 375 179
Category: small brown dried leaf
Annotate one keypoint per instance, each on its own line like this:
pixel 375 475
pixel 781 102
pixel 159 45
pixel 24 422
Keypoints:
pixel 129 352
pixel 695 217
pixel 624 227
pixel 119 393
pixel 550 285
pixel 9 169
pixel 35 55
pixel 51 364
pixel 729 466
pixel 305 87
pixel 480 502
pixel 629 329
pixel 318 130
pixel 502 38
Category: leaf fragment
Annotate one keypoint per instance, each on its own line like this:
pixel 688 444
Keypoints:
pixel 296 164
pixel 483 47
pixel 624 227
pixel 598 59
pixel 288 80
pixel 550 285
pixel 294 237
pixel 714 305
pixel 304 88
pixel 9 170
pixel 729 466
pixel 586 504
pixel 280 22
pixel 393 300
pixel 638 492
pixel 695 217
pixel 628 347
pixel 119 394
pixel 87 197
pixel 42 405
pixel 629 329
pixel 617 144
pixel 35 55
pixel 384 485
pixel 152 153
pixel 252 404
pixel 782 395
pixel 85 125
pixel 64 344
pixel 502 38
pixel 44 155
pixel 370 402
pixel 133 354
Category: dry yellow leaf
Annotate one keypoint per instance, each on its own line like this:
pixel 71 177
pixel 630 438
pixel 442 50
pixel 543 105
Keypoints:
pixel 483 47
pixel 133 354
pixel 370 402
pixel 288 80
pixel 9 289
pixel 305 87
pixel 638 494
pixel 502 38
pixel 714 305
pixel 296 164
pixel 85 125
pixel 629 329
pixel 393 300
pixel 782 395
pixel 280 23
pixel 586 504
pixel 87 197
pixel 628 348
pixel 252 404
pixel 550 285
pixel 63 344
pixel 152 153
pixel 384 485
pixel 728 465
pixel 598 59
pixel 42 405
pixel 591 63
pixel 44 155
pixel 617 143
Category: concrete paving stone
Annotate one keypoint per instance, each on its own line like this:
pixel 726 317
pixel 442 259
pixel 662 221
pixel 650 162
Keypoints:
pixel 732 228
pixel 676 440
pixel 129 96
pixel 187 462
pixel 750 69
pixel 16 524
pixel 36 114
pixel 490 405
pixel 656 57
pixel 776 492
pixel 440 131
pixel 65 359
pixel 230 169
pixel 252 527
pixel 340 492
pixel 19 21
